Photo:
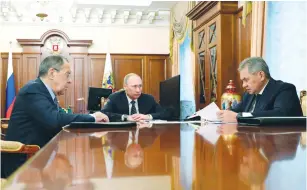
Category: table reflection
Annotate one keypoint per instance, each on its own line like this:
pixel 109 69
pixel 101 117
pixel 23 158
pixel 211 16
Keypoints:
pixel 173 156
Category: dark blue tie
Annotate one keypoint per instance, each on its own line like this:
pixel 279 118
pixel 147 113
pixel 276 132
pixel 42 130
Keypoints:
pixel 133 108
pixel 56 102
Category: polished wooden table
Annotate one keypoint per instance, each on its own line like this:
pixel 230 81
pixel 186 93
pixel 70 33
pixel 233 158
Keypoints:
pixel 169 156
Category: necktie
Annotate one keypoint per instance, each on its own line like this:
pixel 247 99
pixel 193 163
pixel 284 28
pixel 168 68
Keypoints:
pixel 133 108
pixel 254 102
pixel 56 102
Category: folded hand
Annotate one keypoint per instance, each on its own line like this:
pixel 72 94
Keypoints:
pixel 138 117
pixel 100 117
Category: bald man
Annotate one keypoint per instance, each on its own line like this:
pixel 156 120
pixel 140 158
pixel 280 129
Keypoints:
pixel 131 104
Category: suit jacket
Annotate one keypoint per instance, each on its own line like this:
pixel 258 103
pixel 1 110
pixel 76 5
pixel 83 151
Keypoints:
pixel 35 119
pixel 278 99
pixel 117 105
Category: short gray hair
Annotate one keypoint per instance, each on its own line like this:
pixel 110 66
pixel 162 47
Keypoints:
pixel 126 78
pixel 255 64
pixel 53 61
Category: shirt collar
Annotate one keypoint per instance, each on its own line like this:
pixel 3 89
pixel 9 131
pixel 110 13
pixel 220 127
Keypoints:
pixel 49 90
pixel 263 88
pixel 129 99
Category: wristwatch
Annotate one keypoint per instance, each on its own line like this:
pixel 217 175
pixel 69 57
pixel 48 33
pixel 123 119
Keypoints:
pixel 125 117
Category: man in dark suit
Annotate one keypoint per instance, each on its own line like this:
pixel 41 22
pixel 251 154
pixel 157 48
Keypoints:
pixel 264 97
pixel 131 104
pixel 36 117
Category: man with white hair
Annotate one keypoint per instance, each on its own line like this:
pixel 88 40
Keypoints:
pixel 264 96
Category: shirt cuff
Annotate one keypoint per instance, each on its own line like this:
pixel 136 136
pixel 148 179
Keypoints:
pixel 93 116
pixel 246 114
pixel 150 116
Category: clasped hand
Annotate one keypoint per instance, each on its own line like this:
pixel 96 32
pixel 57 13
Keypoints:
pixel 138 117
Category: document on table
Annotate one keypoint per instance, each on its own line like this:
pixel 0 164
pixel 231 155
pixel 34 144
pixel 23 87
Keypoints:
pixel 208 113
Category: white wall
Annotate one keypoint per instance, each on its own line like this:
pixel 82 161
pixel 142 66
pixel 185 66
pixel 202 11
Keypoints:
pixel 285 43
pixel 130 39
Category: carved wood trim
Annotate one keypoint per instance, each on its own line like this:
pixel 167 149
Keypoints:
pixel 203 7
pixel 54 32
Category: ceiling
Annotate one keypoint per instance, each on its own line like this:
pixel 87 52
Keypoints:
pixel 98 12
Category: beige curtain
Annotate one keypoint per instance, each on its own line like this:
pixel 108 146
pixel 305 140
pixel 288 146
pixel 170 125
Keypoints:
pixel 179 24
pixel 258 32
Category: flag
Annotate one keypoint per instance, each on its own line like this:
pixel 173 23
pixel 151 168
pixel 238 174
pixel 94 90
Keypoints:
pixel 109 160
pixel 108 79
pixel 108 157
pixel 10 86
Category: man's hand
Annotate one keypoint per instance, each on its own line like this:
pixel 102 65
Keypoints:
pixel 227 116
pixel 138 117
pixel 100 117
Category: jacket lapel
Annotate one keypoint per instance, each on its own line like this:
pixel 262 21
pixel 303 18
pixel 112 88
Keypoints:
pixel 125 104
pixel 140 103
pixel 266 96
pixel 44 89
pixel 249 102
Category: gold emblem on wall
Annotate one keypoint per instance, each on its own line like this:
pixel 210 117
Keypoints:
pixel 55 45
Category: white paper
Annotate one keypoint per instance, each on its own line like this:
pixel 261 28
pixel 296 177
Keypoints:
pixel 208 113
pixel 172 122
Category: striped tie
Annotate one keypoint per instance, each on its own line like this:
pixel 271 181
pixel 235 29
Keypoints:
pixel 133 108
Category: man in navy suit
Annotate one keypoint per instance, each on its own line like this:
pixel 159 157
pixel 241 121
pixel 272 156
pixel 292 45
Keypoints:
pixel 36 117
pixel 264 96
pixel 131 104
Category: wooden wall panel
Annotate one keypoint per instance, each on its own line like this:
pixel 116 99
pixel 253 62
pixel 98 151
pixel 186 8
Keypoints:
pixel 96 69
pixel 87 70
pixel 80 82
pixel 30 67
pixel 122 65
pixel 156 72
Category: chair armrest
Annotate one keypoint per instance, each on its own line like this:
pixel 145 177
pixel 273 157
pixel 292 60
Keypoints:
pixel 18 147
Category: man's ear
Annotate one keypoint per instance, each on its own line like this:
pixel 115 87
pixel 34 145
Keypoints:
pixel 51 73
pixel 262 75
